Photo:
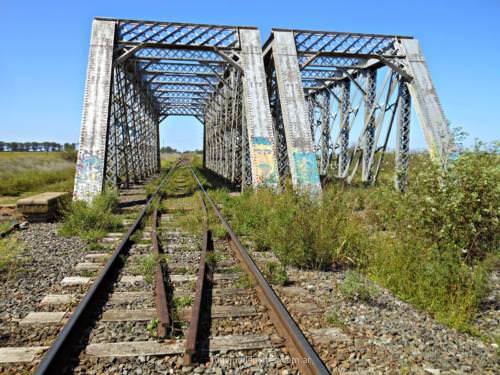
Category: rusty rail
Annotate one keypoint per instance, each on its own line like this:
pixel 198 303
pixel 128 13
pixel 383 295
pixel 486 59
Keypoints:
pixel 303 354
pixel 161 301
pixel 59 355
pixel 204 275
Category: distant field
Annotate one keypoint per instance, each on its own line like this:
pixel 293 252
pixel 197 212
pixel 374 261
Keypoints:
pixel 25 173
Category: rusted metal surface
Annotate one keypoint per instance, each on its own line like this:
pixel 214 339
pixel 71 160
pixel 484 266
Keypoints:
pixel 161 301
pixel 303 354
pixel 205 274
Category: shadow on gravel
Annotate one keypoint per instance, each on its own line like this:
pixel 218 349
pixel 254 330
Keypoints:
pixel 214 181
pixel 131 203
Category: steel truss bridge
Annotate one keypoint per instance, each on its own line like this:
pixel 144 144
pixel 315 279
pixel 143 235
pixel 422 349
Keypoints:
pixel 306 104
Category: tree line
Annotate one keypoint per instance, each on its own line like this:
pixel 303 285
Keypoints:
pixel 171 150
pixel 37 146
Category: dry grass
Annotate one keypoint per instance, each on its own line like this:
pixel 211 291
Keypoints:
pixel 24 173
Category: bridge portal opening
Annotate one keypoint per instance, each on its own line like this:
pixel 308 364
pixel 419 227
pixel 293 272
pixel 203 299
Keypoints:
pixel 182 133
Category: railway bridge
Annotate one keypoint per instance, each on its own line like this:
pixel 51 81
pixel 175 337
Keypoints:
pixel 305 105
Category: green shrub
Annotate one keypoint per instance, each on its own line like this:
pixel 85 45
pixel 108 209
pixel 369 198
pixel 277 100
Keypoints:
pixel 182 301
pixel 212 258
pixel 275 273
pixel 459 211
pixel 438 282
pixel 355 287
pixel 91 221
pixel 152 327
pixel 437 243
pixel 301 230
pixel 333 319
pixel 433 246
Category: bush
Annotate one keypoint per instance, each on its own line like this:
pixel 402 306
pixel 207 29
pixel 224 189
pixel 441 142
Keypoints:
pixel 460 210
pixel 91 221
pixel 435 245
pixel 356 287
pixel 301 230
pixel 275 273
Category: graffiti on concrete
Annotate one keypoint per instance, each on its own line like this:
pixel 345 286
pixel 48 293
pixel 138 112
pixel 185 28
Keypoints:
pixel 89 173
pixel 263 161
pixel 306 166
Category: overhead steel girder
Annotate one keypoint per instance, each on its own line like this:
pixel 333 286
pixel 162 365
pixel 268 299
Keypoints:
pixel 133 31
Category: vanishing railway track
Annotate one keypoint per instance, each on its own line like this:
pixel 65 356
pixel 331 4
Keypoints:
pixel 201 302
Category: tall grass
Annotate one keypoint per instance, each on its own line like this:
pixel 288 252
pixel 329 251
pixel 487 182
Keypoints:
pixel 91 221
pixel 302 230
pixel 22 172
pixel 9 250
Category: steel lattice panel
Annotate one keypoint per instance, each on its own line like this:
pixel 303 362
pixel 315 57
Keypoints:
pixel 134 32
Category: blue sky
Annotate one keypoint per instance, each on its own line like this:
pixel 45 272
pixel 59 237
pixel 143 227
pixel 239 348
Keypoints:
pixel 45 44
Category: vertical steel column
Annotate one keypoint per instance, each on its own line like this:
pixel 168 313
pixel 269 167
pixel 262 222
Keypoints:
pixel 325 134
pixel 369 134
pixel 259 127
pixel 403 137
pixel 158 148
pixel 246 168
pixel 90 166
pixel 205 143
pixel 429 111
pixel 311 104
pixel 301 156
pixel 345 108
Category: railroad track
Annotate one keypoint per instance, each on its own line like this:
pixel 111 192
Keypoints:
pixel 198 303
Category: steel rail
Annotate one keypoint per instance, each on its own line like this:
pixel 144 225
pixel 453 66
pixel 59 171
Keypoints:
pixel 204 275
pixel 303 354
pixel 161 302
pixel 59 355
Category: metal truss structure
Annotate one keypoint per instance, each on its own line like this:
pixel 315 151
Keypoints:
pixel 289 110
pixel 354 89
pixel 141 72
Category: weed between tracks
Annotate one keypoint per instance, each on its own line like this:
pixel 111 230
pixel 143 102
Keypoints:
pixel 147 267
pixel 433 246
pixel 182 301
